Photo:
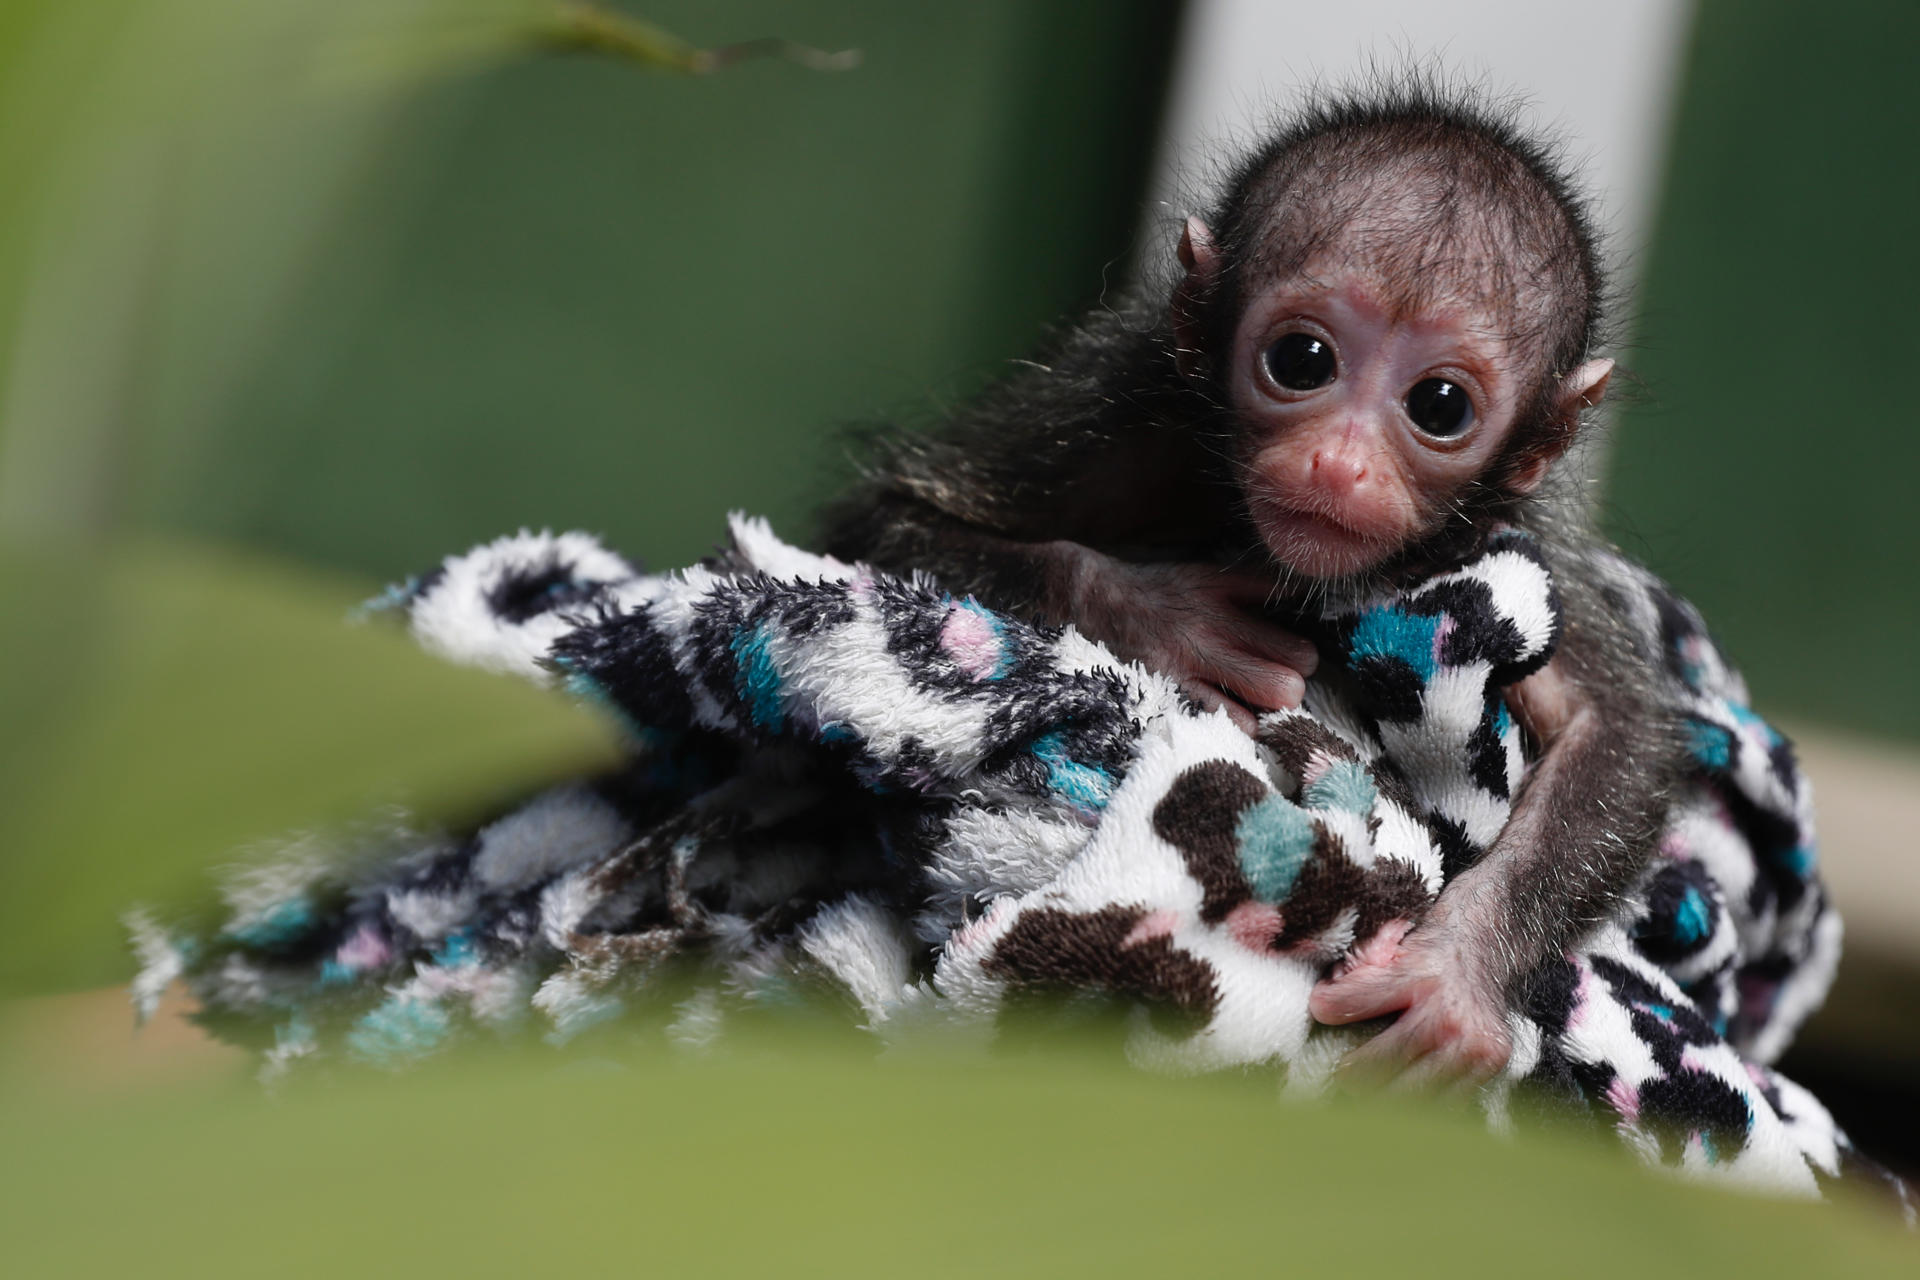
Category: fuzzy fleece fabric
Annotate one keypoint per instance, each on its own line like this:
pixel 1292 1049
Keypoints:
pixel 842 778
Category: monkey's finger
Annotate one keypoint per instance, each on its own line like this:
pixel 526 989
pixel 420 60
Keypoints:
pixel 1213 699
pixel 1380 1060
pixel 1428 1073
pixel 1264 686
pixel 1370 991
pixel 1279 645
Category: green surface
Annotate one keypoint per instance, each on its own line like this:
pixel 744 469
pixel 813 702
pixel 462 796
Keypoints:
pixel 814 1162
pixel 166 706
pixel 1774 472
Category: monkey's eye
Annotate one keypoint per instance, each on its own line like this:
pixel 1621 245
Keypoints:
pixel 1439 408
pixel 1301 362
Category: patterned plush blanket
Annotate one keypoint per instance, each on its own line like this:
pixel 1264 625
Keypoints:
pixel 847 779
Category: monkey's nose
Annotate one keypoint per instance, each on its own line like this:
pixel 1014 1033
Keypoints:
pixel 1337 470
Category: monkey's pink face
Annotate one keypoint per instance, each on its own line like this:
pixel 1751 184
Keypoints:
pixel 1364 421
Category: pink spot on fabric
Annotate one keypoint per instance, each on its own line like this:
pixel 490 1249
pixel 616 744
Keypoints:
pixel 1155 924
pixel 1254 925
pixel 1318 762
pixel 1676 846
pixel 1440 634
pixel 366 949
pixel 1582 999
pixel 1624 1099
pixel 968 638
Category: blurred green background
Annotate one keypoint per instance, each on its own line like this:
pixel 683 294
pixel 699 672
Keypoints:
pixel 1771 470
pixel 297 297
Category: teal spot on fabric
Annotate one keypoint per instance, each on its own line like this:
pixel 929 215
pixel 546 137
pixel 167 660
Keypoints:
pixel 1711 745
pixel 1274 839
pixel 458 949
pixel 284 923
pixel 590 691
pixel 335 974
pixel 1709 1148
pixel 1693 918
pixel 1664 1012
pixel 397 595
pixel 1751 719
pixel 1346 786
pixel 1801 860
pixel 402 1028
pixel 1086 785
pixel 756 679
pixel 837 732
pixel 1502 720
pixel 1387 631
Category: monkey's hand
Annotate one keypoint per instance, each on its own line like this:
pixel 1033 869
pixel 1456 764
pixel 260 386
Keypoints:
pixel 1452 1028
pixel 1196 623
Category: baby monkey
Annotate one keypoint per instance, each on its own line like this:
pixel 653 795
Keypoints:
pixel 1372 353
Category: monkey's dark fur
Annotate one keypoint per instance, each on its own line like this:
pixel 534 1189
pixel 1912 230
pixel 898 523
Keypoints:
pixel 1104 441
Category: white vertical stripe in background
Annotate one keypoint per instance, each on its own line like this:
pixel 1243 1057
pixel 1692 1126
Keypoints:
pixel 1601 75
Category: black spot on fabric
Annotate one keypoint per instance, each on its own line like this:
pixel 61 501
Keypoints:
pixel 1394 890
pixel 1679 623
pixel 527 591
pixel 1393 787
pixel 1775 840
pixel 1758 983
pixel 1326 886
pixel 1198 817
pixel 1054 948
pixel 1479 633
pixel 1667 1026
pixel 1684 1102
pixel 1388 688
pixel 427 581
pixel 804 608
pixel 1785 763
pixel 1295 739
pixel 629 660
pixel 1457 851
pixel 1487 754
pixel 1559 1090
pixel 718 621
pixel 1548 995
pixel 1682 913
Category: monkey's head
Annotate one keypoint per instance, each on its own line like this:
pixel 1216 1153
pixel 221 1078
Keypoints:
pixel 1395 303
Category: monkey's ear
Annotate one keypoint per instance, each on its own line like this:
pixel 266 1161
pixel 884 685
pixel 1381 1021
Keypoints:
pixel 1199 257
pixel 1582 389
pixel 1196 247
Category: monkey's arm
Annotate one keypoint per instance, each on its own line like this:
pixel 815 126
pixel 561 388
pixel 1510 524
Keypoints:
pixel 1093 538
pixel 1580 833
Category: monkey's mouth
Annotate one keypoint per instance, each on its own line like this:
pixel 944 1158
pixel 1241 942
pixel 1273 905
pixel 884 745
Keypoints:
pixel 1317 545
